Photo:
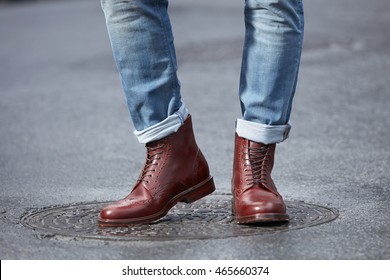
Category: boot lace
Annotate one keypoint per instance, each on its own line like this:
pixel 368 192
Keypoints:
pixel 256 160
pixel 152 154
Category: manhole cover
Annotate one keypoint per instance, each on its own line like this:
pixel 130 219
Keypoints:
pixel 209 217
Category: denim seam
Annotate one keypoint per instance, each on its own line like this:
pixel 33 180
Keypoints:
pixel 168 50
pixel 301 28
pixel 180 117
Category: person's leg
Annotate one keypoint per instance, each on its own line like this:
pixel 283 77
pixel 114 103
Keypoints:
pixel 175 169
pixel 271 57
pixel 143 49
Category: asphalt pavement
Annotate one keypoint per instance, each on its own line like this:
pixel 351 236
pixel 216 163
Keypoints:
pixel 66 136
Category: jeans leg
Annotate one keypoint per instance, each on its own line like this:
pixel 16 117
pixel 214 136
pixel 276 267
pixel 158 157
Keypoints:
pixel 142 44
pixel 271 57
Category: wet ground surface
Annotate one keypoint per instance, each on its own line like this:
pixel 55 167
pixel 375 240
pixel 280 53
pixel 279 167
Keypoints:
pixel 66 138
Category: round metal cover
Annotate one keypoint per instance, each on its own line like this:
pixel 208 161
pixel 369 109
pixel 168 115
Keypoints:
pixel 209 217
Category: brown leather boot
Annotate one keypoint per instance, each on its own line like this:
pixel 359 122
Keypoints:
pixel 255 198
pixel 175 171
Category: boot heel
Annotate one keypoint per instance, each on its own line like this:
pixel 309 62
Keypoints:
pixel 201 191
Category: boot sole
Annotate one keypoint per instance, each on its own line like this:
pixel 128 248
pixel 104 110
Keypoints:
pixel 190 195
pixel 260 218
pixel 263 219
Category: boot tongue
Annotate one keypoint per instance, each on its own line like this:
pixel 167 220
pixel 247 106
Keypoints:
pixel 156 143
pixel 257 154
pixel 154 151
pixel 256 163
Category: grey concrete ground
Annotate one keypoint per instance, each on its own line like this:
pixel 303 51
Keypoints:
pixel 65 133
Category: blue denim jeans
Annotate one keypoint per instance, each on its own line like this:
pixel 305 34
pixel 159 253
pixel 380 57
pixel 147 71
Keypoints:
pixel 142 43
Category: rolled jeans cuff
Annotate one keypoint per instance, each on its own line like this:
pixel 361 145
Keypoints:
pixel 262 133
pixel 164 128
